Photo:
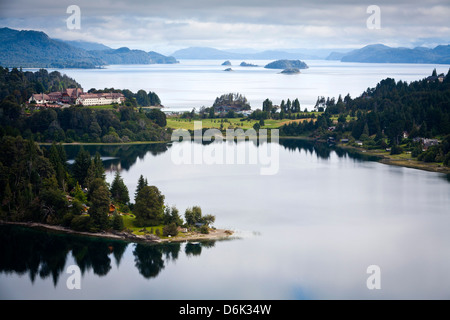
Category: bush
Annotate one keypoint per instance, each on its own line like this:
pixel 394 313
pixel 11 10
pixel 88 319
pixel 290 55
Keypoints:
pixel 204 229
pixel 67 219
pixel 117 222
pixel 447 159
pixel 396 149
pixel 81 223
pixel 170 230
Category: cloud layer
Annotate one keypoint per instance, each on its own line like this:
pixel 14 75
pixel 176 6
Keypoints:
pixel 171 24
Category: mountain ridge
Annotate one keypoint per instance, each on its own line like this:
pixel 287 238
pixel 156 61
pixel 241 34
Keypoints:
pixel 35 49
pixel 380 53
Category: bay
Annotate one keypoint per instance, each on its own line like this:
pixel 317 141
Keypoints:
pixel 310 231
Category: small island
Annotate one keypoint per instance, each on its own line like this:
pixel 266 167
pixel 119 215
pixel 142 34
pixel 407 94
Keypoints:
pixel 228 69
pixel 287 64
pixel 291 71
pixel 227 63
pixel 245 64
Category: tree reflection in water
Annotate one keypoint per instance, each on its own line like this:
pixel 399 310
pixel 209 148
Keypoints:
pixel 44 254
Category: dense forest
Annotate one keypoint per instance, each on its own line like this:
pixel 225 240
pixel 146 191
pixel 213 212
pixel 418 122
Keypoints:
pixel 393 114
pixel 38 184
pixel 120 124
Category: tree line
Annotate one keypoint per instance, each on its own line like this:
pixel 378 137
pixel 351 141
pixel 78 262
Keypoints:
pixel 125 123
pixel 383 116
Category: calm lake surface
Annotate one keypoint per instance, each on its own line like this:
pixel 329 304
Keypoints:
pixel 196 83
pixel 310 231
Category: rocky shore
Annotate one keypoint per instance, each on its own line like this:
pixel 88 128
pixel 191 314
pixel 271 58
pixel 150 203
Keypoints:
pixel 214 234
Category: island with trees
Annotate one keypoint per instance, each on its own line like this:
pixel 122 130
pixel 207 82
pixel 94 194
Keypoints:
pixel 291 71
pixel 286 64
pixel 246 64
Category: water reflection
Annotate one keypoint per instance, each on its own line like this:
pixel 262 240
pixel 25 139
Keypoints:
pixel 123 157
pixel 45 254
pixel 119 156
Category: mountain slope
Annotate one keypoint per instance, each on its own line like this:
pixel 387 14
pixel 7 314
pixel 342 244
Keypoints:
pixel 125 55
pixel 36 49
pixel 86 45
pixel 379 53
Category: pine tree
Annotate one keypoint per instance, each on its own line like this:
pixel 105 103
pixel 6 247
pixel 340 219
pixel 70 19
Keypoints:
pixel 141 184
pixel 149 207
pixel 81 166
pixel 100 204
pixel 95 171
pixel 119 191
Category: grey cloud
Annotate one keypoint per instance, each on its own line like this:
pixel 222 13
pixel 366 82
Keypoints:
pixel 243 23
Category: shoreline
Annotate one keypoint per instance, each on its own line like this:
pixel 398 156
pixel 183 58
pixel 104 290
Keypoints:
pixel 217 234
pixel 101 143
pixel 384 159
pixel 406 163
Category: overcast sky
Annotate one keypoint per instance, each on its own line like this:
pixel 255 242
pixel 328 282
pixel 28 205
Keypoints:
pixel 168 25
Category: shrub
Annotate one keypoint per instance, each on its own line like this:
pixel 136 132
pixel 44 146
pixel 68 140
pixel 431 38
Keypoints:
pixel 396 149
pixel 170 230
pixel 117 222
pixel 204 229
pixel 67 219
pixel 81 223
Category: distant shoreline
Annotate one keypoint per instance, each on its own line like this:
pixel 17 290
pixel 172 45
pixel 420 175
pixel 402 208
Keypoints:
pixel 217 234
pixel 385 159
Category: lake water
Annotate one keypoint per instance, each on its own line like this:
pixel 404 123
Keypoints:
pixel 310 231
pixel 196 83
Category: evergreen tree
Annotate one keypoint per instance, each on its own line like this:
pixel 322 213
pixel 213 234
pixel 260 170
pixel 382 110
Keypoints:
pixel 119 191
pixel 171 215
pixel 149 207
pixel 81 166
pixel 100 204
pixel 117 222
pixel 141 184
pixel 95 171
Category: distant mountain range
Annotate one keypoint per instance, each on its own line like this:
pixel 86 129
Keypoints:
pixel 35 49
pixel 379 53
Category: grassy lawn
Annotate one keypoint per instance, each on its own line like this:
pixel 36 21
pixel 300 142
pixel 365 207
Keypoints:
pixel 106 106
pixel 236 123
pixel 128 222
